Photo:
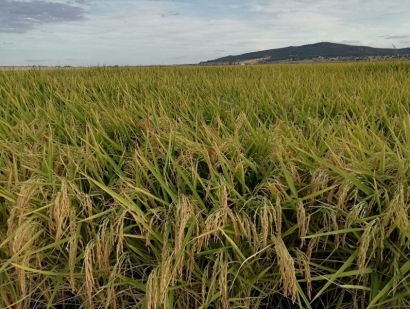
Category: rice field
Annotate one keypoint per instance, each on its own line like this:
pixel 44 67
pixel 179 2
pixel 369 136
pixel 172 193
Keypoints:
pixel 277 186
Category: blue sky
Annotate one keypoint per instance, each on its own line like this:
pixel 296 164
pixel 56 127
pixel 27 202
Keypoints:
pixel 143 32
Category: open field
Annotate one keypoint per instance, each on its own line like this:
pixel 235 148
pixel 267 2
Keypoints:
pixel 281 186
pixel 24 68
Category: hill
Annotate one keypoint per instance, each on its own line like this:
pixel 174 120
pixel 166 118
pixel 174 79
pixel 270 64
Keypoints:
pixel 311 51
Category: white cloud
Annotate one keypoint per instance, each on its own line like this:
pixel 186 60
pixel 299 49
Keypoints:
pixel 155 32
pixel 22 16
pixel 335 20
pixel 141 34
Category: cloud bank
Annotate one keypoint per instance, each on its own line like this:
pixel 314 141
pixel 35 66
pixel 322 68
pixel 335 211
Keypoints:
pixel 126 32
pixel 22 16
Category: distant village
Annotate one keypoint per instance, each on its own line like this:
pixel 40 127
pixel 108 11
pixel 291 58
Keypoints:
pixel 267 60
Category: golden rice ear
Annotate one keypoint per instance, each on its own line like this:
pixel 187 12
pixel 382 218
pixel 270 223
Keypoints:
pixel 22 277
pixel 22 243
pixel 368 235
pixel 278 217
pixel 23 227
pixel 187 213
pixel 112 300
pixel 358 210
pixel 397 211
pixel 313 244
pixel 335 224
pixel 286 268
pixel 167 278
pixel 104 245
pixel 274 190
pixel 72 246
pixel 291 166
pixel 265 220
pixel 60 213
pixel 153 289
pixel 161 279
pixel 206 289
pixel 119 227
pixel 89 260
pixel 216 220
pixel 245 222
pixel 183 213
pixel 223 281
pixel 320 179
pixel 18 211
pixel 303 222
pixel 303 261
pixel 342 193
pixel 330 223
pixel 72 255
pixel 87 205
pixel 215 271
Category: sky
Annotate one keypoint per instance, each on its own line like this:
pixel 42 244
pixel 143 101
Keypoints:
pixel 149 32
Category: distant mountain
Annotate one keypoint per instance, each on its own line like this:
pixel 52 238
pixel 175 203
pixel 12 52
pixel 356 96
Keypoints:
pixel 311 51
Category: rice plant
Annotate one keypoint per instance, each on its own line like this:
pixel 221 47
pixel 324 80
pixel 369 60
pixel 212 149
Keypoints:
pixel 277 186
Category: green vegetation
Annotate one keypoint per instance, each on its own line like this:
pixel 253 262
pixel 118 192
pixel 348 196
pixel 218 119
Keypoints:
pixel 310 51
pixel 206 187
